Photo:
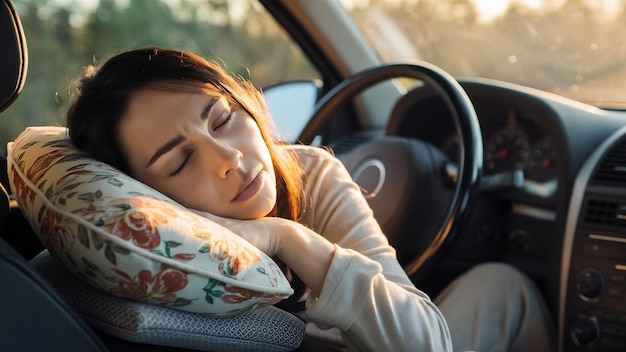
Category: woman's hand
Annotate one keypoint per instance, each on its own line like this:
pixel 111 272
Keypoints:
pixel 307 253
pixel 263 233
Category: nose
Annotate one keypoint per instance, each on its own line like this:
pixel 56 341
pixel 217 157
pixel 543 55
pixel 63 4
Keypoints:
pixel 221 157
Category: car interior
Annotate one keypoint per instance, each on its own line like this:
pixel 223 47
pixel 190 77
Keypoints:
pixel 561 220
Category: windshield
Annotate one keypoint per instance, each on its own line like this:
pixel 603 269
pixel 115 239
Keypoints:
pixel 574 48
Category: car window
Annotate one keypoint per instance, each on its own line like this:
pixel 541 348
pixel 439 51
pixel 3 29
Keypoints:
pixel 64 36
pixel 574 48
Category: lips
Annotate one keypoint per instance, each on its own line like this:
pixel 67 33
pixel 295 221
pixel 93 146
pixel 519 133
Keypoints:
pixel 249 187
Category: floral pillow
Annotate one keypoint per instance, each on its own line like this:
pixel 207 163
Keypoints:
pixel 131 241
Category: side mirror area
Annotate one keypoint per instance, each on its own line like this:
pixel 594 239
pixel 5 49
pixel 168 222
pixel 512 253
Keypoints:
pixel 291 105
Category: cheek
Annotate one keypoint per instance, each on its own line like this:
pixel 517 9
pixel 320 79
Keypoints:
pixel 186 191
pixel 259 146
pixel 197 196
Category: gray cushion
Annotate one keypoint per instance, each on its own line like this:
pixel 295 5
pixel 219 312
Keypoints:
pixel 265 329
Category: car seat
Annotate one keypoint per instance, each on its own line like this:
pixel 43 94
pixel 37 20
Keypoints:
pixel 34 316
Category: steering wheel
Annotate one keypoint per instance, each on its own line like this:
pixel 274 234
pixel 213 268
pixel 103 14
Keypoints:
pixel 404 179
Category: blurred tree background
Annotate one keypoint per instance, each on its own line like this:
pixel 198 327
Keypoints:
pixel 64 36
pixel 570 47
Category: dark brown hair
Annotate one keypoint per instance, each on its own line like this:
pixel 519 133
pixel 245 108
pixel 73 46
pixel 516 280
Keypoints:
pixel 103 93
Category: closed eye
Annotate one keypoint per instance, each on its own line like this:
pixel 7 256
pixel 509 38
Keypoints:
pixel 182 165
pixel 225 120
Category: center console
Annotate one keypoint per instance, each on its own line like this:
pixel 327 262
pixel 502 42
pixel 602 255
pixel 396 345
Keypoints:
pixel 593 287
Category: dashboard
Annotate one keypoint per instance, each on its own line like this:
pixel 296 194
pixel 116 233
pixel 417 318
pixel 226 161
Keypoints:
pixel 565 223
pixel 519 138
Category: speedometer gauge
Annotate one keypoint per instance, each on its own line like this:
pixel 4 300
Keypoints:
pixel 507 150
pixel 541 165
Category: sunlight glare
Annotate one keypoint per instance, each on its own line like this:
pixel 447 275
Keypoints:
pixel 491 9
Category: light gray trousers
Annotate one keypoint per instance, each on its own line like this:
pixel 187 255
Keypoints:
pixel 494 307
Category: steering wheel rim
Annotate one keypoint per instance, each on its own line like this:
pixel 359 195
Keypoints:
pixel 466 125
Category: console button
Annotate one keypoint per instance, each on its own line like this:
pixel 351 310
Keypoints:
pixel 604 250
pixel 590 284
pixel 615 291
pixel 585 331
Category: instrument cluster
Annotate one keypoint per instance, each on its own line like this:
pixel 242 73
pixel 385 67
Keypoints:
pixel 515 141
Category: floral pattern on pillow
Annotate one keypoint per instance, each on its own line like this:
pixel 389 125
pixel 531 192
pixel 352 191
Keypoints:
pixel 131 241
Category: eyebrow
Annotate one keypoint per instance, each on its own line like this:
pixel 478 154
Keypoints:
pixel 164 149
pixel 179 139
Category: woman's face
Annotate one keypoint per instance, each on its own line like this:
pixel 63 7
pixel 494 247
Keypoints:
pixel 200 152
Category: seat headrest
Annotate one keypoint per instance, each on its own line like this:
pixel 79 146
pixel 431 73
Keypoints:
pixel 14 55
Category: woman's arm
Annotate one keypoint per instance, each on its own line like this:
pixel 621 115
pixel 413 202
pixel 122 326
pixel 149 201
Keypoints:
pixel 305 252
pixel 366 293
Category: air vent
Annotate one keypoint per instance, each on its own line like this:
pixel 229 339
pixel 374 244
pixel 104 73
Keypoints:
pixel 612 169
pixel 605 213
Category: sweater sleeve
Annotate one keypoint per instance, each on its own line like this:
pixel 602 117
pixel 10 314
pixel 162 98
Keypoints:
pixel 366 293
